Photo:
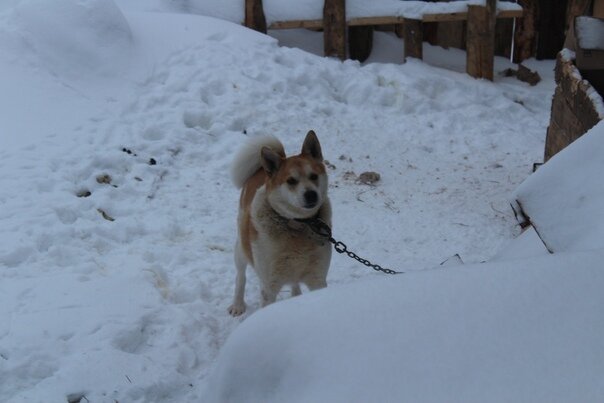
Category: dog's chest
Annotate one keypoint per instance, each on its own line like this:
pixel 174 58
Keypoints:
pixel 289 246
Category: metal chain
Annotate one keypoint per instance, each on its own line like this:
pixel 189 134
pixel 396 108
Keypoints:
pixel 321 228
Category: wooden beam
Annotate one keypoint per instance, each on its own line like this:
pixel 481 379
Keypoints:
pixel 386 20
pixel 481 40
pixel 413 38
pixel 334 28
pixel 254 15
pixel 383 20
pixel 295 24
pixel 445 17
pixel 510 14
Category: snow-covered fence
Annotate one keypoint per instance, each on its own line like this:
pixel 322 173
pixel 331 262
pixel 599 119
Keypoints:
pixel 576 106
pixel 352 21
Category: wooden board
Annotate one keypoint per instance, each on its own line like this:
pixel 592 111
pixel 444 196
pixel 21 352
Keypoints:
pixel 295 24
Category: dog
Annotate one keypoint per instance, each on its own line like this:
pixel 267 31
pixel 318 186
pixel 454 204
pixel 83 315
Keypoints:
pixel 277 194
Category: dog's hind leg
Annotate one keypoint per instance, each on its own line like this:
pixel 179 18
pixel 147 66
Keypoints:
pixel 269 293
pixel 296 290
pixel 238 306
pixel 315 283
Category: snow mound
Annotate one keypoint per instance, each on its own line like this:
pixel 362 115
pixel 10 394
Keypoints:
pixel 564 198
pixel 229 10
pixel 493 332
pixel 73 36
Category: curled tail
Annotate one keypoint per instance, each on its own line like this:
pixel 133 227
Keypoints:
pixel 247 159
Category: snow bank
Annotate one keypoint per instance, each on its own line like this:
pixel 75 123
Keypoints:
pixel 564 198
pixel 72 36
pixel 495 332
pixel 229 10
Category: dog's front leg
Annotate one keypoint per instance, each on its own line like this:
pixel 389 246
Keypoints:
pixel 238 306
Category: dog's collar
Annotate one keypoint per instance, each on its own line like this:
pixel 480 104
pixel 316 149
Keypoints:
pixel 297 224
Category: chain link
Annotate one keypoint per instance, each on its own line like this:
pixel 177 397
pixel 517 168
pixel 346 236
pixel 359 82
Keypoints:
pixel 321 228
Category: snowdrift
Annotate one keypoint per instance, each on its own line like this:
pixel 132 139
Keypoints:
pixel 564 198
pixel 525 331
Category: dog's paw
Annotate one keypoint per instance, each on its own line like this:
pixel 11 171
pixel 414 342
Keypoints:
pixel 237 309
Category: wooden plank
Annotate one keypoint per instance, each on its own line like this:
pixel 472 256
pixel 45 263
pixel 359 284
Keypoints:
pixel 295 24
pixel 383 20
pixel 414 38
pixel 334 28
pixel 445 17
pixel 510 14
pixel 481 40
pixel 254 15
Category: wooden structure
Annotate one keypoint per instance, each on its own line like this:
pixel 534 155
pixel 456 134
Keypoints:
pixel 357 32
pixel 573 109
pixel 480 48
pixel 579 79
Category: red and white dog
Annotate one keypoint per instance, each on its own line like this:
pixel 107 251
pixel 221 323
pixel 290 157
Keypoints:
pixel 276 192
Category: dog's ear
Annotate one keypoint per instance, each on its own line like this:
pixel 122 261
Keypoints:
pixel 312 147
pixel 271 161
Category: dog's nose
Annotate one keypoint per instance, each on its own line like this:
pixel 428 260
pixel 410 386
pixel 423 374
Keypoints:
pixel 310 198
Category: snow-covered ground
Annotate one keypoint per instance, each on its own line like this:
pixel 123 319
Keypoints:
pixel 524 327
pixel 117 127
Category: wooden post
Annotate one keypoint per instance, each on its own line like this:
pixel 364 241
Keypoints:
pixel 481 40
pixel 526 31
pixel 334 28
pixel 254 15
pixel 575 8
pixel 360 42
pixel 414 38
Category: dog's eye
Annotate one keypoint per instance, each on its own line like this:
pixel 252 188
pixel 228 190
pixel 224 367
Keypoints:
pixel 313 177
pixel 292 181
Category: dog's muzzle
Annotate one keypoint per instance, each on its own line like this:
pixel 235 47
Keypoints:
pixel 311 198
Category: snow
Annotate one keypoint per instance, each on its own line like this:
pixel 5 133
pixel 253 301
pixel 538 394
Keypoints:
pixel 590 33
pixel 525 330
pixel 134 309
pixel 279 10
pixel 564 198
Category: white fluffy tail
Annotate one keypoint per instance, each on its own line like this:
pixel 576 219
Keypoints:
pixel 247 160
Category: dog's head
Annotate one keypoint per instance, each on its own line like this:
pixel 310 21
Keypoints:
pixel 296 186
